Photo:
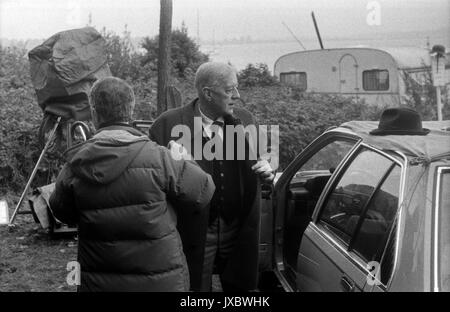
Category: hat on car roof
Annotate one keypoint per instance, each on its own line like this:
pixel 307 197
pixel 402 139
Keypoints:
pixel 400 121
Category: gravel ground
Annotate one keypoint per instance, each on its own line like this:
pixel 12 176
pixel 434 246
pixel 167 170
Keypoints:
pixel 29 259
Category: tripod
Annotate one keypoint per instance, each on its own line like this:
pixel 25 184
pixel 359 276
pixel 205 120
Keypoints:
pixel 71 126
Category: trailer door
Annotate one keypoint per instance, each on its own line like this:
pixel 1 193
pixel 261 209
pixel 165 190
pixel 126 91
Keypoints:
pixel 348 74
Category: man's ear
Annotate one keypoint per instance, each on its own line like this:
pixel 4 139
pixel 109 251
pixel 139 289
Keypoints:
pixel 207 93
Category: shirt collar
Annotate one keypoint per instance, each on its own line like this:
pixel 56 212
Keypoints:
pixel 207 123
pixel 206 120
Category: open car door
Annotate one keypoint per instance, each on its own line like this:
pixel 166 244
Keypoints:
pixel 294 198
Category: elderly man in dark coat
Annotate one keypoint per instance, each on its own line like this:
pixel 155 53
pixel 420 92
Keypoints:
pixel 227 234
pixel 119 187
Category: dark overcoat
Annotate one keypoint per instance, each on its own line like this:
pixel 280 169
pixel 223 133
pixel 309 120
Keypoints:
pixel 242 267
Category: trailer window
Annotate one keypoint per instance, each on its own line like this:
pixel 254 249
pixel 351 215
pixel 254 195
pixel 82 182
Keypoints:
pixel 375 80
pixel 297 79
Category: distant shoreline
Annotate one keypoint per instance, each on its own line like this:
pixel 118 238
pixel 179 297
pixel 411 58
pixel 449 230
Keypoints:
pixel 240 52
pixel 441 32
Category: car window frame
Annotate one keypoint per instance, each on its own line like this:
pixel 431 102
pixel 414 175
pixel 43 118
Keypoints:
pixel 338 243
pixel 437 226
pixel 320 142
pixel 364 208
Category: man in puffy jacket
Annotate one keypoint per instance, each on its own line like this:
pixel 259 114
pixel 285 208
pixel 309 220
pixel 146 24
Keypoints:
pixel 123 191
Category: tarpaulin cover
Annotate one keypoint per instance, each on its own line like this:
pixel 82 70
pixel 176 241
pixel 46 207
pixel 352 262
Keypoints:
pixel 435 143
pixel 39 204
pixel 63 69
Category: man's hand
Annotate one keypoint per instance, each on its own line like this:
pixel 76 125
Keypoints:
pixel 263 169
pixel 178 151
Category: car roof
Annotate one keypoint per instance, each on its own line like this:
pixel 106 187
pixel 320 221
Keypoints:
pixel 435 144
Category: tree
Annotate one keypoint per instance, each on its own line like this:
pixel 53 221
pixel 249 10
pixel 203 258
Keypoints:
pixel 20 118
pixel 256 75
pixel 123 61
pixel 185 53
pixel 420 95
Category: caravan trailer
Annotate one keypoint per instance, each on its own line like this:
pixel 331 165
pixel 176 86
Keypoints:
pixel 375 75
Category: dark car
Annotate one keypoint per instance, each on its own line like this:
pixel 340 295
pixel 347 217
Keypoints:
pixel 357 212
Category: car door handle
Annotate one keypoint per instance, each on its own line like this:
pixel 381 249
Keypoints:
pixel 347 285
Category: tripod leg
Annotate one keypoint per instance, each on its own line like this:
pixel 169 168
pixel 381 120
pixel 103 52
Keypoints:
pixel 50 138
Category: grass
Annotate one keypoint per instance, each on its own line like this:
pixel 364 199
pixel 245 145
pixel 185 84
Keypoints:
pixel 29 259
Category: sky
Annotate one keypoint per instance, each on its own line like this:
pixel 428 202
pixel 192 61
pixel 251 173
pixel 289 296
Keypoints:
pixel 225 19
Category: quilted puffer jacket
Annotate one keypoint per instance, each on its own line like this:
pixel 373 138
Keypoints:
pixel 123 190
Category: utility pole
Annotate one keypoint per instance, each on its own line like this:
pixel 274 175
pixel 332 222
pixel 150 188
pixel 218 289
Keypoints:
pixel 165 29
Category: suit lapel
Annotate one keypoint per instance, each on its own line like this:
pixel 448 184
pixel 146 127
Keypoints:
pixel 196 134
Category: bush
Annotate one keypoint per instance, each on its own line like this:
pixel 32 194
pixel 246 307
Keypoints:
pixel 185 55
pixel 120 54
pixel 256 75
pixel 20 119
pixel 421 96
pixel 301 117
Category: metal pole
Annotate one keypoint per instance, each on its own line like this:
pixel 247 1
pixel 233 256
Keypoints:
pixel 439 103
pixel 317 30
pixel 50 138
pixel 293 35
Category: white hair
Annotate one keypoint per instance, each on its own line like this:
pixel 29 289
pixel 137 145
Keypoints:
pixel 212 74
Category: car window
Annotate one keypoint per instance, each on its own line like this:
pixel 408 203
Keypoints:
pixel 444 233
pixel 316 171
pixel 344 205
pixel 329 157
pixel 371 238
